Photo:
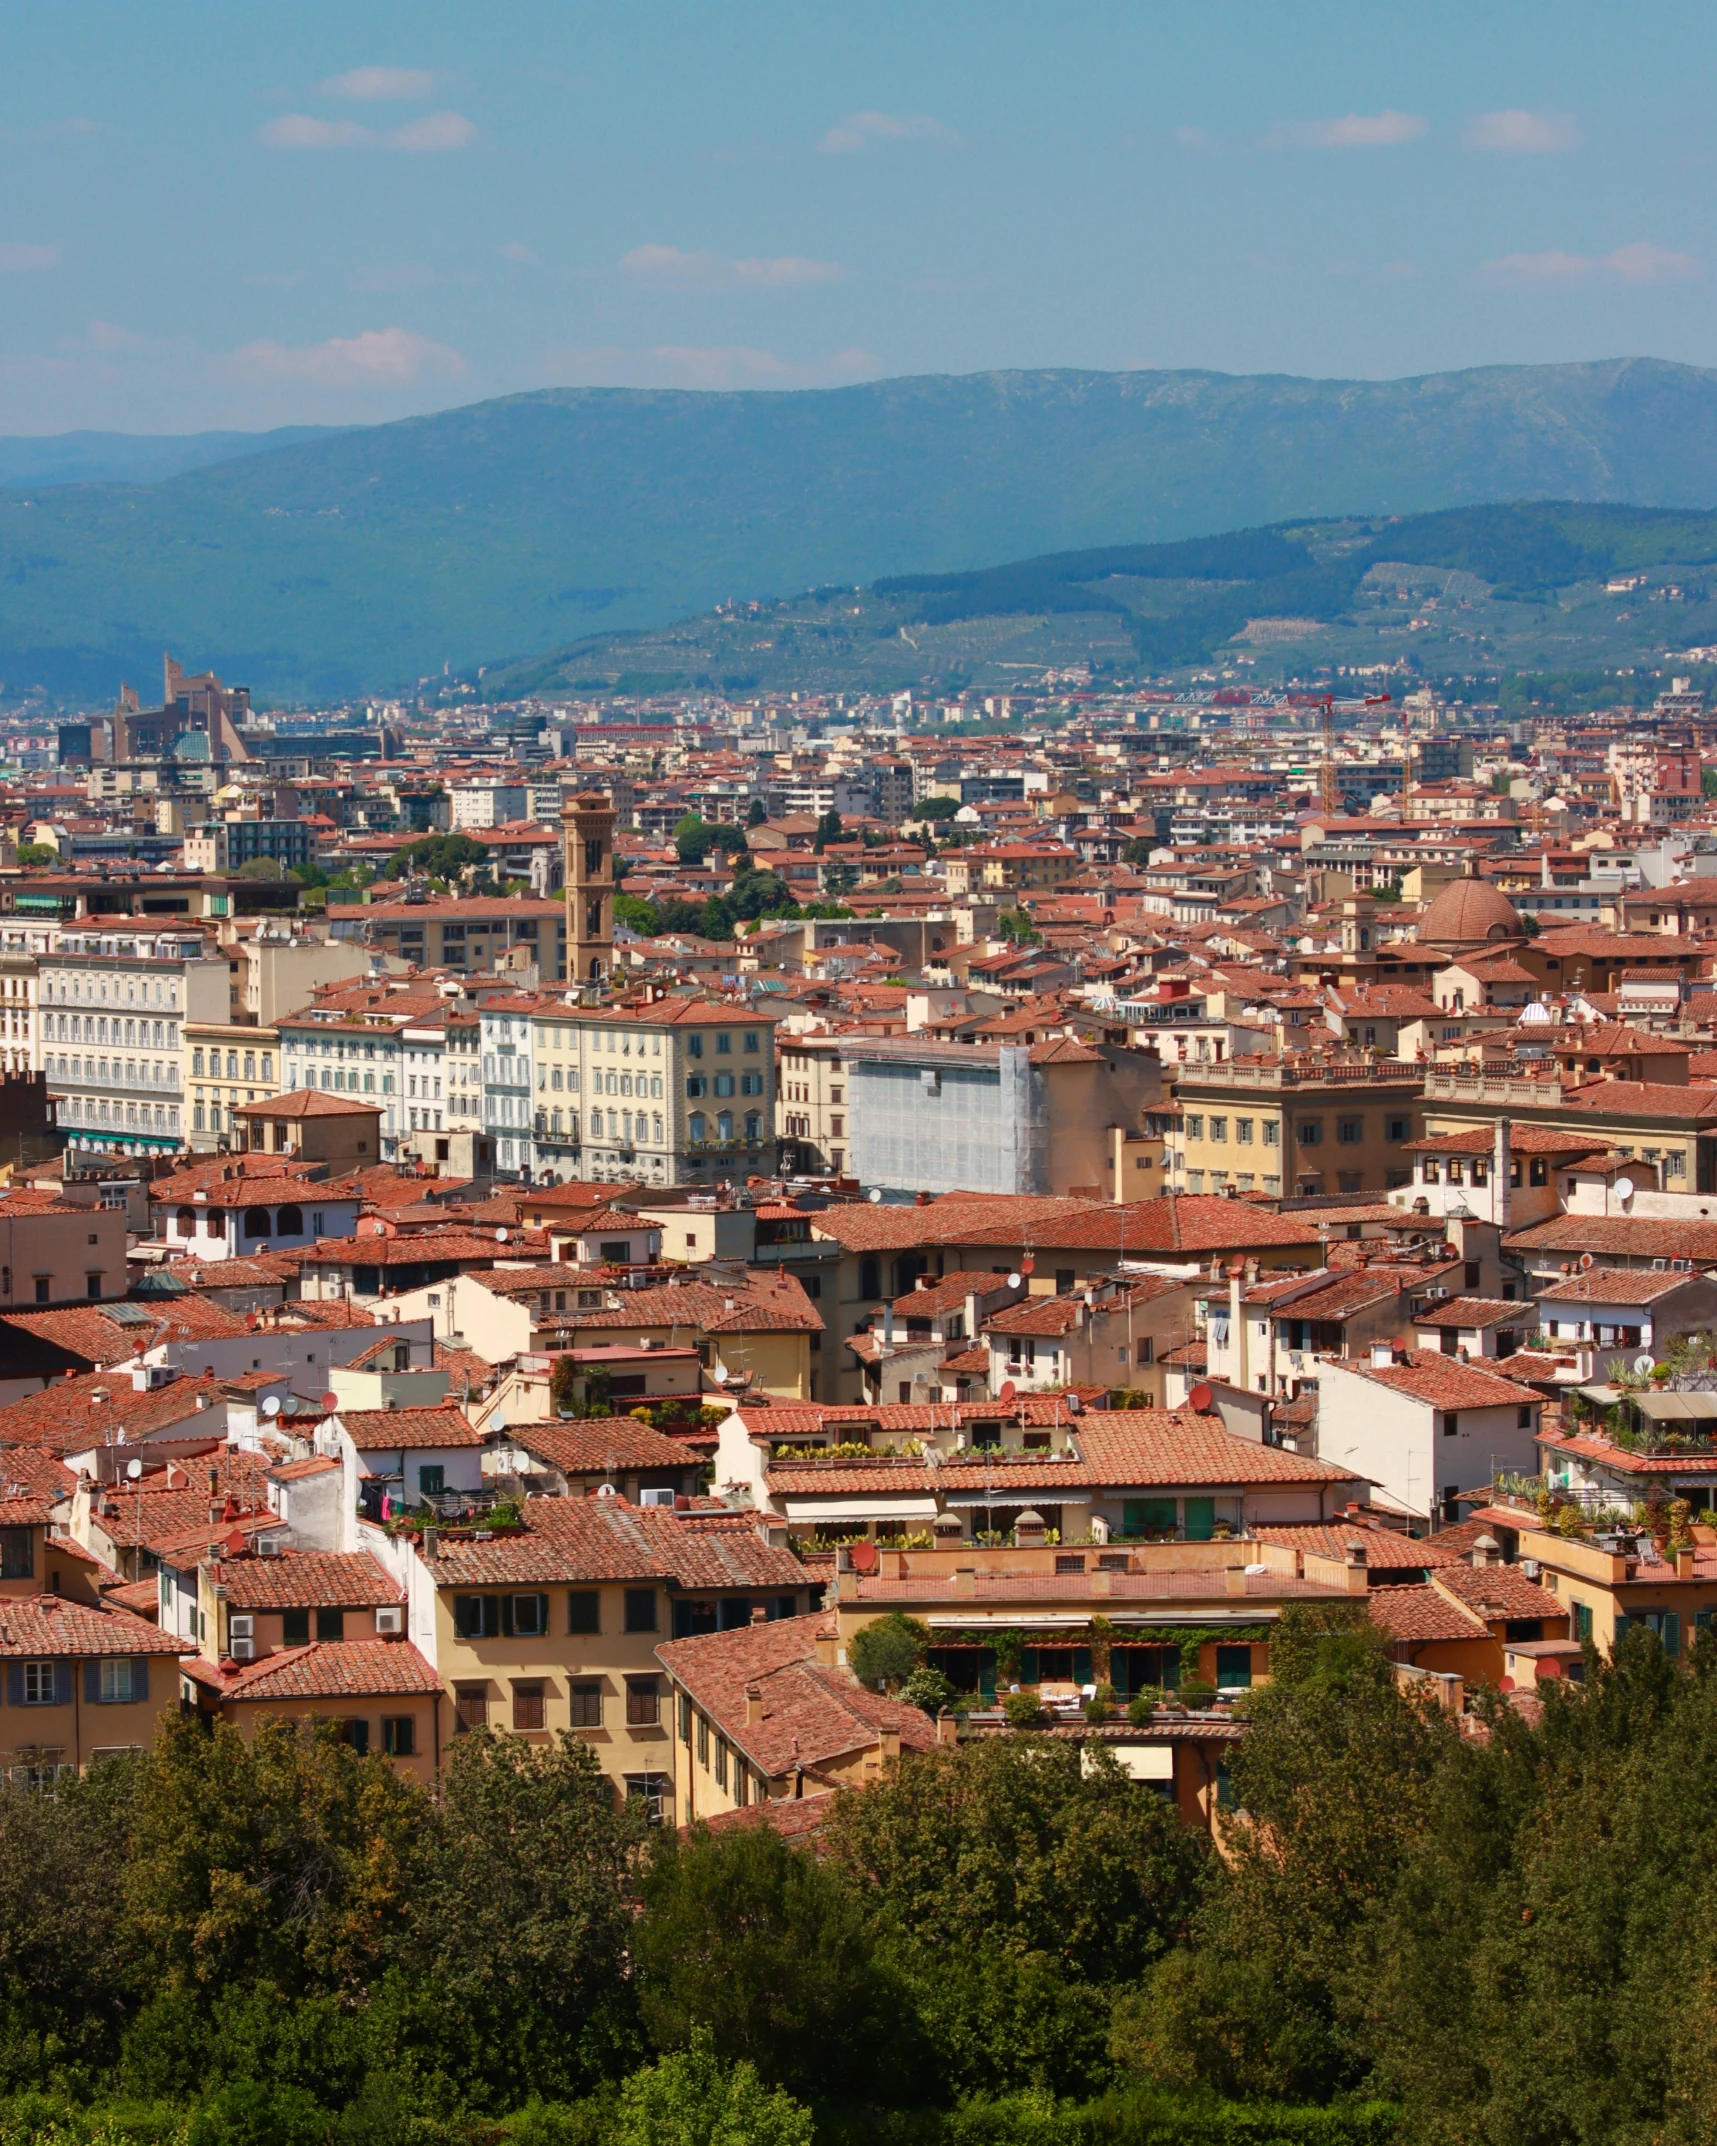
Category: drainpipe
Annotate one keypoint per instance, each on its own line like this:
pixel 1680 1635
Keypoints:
pixel 1501 1171
pixel 1237 1330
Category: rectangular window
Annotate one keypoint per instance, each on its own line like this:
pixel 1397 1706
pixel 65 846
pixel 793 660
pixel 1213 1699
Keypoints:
pixel 118 1683
pixel 39 1684
pixel 1451 1423
pixel 1272 1133
pixel 525 1616
pixel 685 1721
pixel 640 1609
pixel 530 1707
pixel 585 1705
pixel 17 1553
pixel 295 1628
pixel 1219 1128
pixel 1310 1132
pixel 399 1736
pixel 1350 1131
pixel 1195 1125
pixel 584 1612
pixel 330 1624
pixel 477 1616
pixel 356 1733
pixel 1582 1621
pixel 1234 1668
pixel 431 1480
pixel 471 1705
pixel 721 1762
pixel 643 1703
pixel 1243 1131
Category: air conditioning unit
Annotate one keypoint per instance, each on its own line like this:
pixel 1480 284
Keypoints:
pixel 1658 1265
pixel 243 1650
pixel 1681 1266
pixel 241 1628
pixel 390 1619
pixel 656 1497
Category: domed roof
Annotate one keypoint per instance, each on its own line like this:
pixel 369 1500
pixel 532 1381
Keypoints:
pixel 1468 914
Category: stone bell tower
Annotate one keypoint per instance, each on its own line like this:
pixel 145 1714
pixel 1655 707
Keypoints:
pixel 587 829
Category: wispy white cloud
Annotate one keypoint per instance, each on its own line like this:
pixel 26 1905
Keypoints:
pixel 380 83
pixel 1518 133
pixel 706 366
pixel 378 358
pixel 435 130
pixel 864 130
pixel 514 251
pixel 1355 130
pixel 105 335
pixel 678 268
pixel 15 260
pixel 302 130
pixel 1639 263
pixel 299 130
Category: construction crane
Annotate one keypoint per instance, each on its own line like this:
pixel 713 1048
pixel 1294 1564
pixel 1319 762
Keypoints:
pixel 1329 796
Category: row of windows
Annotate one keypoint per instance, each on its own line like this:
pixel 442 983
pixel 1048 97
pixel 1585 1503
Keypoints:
pixel 105 1683
pixel 529 1704
pixel 90 990
pixel 715 1754
pixel 722 1084
pixel 530 1615
pixel 1309 1132
pixel 250 1066
pixel 92 1028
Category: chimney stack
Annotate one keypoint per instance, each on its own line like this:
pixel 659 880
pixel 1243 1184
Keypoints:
pixel 1502 1170
pixel 753 1705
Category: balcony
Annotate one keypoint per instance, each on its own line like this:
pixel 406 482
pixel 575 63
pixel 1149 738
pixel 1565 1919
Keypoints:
pixel 1342 1073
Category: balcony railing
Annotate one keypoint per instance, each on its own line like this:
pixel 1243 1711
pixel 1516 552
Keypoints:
pixel 1343 1073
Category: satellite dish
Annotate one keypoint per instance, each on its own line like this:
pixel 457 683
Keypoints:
pixel 863 1556
pixel 1007 1392
pixel 330 1401
pixel 1200 1398
pixel 606 1490
pixel 500 1236
pixel 1587 1260
pixel 271 1407
pixel 1028 1265
pixel 134 1469
pixel 1624 1188
pixel 876 1195
pixel 498 1421
pixel 1644 1365
pixel 1014 1280
pixel 719 1374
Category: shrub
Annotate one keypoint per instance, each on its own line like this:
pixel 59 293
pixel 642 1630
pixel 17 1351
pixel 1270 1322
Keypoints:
pixel 928 1689
pixel 1143 1704
pixel 1101 1703
pixel 888 1651
pixel 1197 1693
pixel 1024 1710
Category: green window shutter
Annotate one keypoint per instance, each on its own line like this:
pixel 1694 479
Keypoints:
pixel 1672 1632
pixel 506 1616
pixel 140 1679
pixel 63 1676
pixel 14 1683
pixel 92 1683
pixel 1200 1519
pixel 1082 1665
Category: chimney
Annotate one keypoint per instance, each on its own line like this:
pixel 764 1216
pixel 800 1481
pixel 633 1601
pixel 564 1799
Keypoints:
pixel 1234 1579
pixel 888 1325
pixel 759 1613
pixel 965 1579
pixel 1502 1169
pixel 753 1705
pixel 1684 1564
pixel 890 1743
pixel 431 1545
pixel 828 1648
pixel 1486 1551
pixel 1238 1370
pixel 947 1727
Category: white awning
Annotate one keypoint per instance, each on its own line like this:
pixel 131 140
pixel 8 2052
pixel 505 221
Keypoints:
pixel 1036 1499
pixel 860 1507
pixel 1144 1762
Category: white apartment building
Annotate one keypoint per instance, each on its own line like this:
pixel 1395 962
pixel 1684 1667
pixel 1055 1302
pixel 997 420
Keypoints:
pixel 488 804
pixel 505 1044
pixel 19 1036
pixel 113 1008
pixel 443 1072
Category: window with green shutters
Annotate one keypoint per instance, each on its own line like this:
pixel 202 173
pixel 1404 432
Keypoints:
pixel 1149 1516
pixel 1200 1519
pixel 1234 1668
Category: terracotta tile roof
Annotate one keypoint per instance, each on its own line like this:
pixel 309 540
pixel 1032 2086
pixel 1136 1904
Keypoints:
pixel 43 1625
pixel 1615 1285
pixel 90 1331
pixel 307 1579
pixel 1442 1381
pixel 812 1712
pixel 1623 1236
pixel 793 1817
pixel 335 1669
pixel 1477 1313
pixel 1421 1613
pixel 138 1598
pixel 588 1539
pixel 462 1365
pixel 1176 1222
pixel 383 1430
pixel 593 1445
pixel 1198 1585
pixel 419 1248
pixel 1641 1099
pixel 1493 1591
pixel 1386 1549
pixel 295 1471
pixel 308 1103
pixel 35 1472
pixel 90 1409
pixel 947 1292
pixel 1524 1139
pixel 775 1305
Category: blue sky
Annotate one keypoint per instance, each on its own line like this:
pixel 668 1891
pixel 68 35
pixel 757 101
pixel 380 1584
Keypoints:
pixel 253 215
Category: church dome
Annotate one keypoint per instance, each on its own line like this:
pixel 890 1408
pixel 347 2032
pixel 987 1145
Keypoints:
pixel 1469 914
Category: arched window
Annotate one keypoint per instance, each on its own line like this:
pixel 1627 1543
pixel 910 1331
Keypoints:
pixel 695 1125
pixel 289 1222
pixel 217 1219
pixel 256 1222
pixel 185 1221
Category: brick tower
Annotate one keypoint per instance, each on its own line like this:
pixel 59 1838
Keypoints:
pixel 587 828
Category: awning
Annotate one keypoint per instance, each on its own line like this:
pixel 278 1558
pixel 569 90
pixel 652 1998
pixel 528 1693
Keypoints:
pixel 1143 1762
pixel 1603 1396
pixel 1015 1496
pixel 1677 1407
pixel 859 1507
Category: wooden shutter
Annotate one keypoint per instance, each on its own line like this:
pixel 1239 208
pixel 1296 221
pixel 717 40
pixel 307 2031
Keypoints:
pixel 91 1683
pixel 140 1678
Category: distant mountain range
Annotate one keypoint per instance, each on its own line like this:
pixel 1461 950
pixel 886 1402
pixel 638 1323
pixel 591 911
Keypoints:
pixel 134 457
pixel 363 560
